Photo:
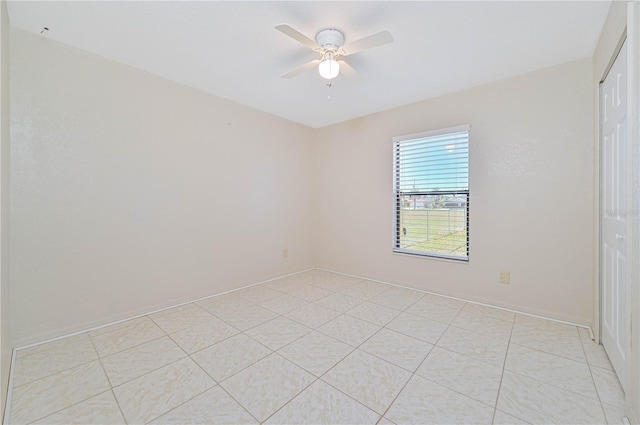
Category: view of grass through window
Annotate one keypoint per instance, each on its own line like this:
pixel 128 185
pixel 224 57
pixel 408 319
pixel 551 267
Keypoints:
pixel 431 187
pixel 427 226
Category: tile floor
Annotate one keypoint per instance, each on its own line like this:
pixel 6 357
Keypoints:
pixel 319 347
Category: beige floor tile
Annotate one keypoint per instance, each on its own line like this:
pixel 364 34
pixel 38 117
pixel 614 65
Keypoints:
pixel 313 315
pixel 311 293
pixel 51 360
pixel 230 356
pixel 287 284
pixel 277 333
pixel 203 335
pixel 423 401
pixel 101 409
pixel 339 302
pixel 267 385
pixel 156 393
pixel 608 386
pixel 53 346
pixel 214 406
pixel 537 403
pixel 140 360
pixel 501 418
pixel 477 346
pixel 322 275
pixel 418 327
pixel 178 318
pixel 483 310
pixel 249 317
pixel 112 339
pixel 373 287
pixel 397 348
pixel 545 326
pixel 365 289
pixel 258 294
pixel 596 355
pixel 356 291
pixel 397 298
pixel 344 280
pixel 323 404
pixel 463 374
pixel 284 304
pixel 349 329
pixel 485 325
pixel 43 397
pixel 444 301
pixel 614 414
pixel 319 274
pixel 567 374
pixel 549 326
pixel 551 339
pixel 336 284
pixel 223 304
pixel 370 380
pixel 546 377
pixel 302 279
pixel 316 352
pixel 374 313
pixel 430 309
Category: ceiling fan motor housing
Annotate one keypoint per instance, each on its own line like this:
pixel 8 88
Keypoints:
pixel 330 39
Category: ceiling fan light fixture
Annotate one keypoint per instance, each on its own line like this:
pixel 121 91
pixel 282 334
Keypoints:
pixel 329 43
pixel 329 68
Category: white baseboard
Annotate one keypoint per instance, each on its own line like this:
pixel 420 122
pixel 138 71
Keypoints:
pixel 35 344
pixel 466 300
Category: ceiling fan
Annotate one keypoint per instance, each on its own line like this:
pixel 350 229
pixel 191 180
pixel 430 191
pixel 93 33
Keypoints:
pixel 330 45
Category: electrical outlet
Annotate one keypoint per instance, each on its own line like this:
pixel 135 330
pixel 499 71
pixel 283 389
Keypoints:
pixel 505 278
pixel 285 253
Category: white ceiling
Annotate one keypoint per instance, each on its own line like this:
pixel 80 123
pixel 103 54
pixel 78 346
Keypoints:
pixel 231 48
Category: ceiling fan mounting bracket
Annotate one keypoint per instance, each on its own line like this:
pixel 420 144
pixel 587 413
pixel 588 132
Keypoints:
pixel 330 39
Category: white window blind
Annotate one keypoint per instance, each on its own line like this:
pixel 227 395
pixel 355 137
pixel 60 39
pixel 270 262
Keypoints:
pixel 431 193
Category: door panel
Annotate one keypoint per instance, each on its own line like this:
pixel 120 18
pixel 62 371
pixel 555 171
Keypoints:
pixel 613 125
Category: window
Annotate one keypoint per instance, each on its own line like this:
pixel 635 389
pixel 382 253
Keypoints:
pixel 431 193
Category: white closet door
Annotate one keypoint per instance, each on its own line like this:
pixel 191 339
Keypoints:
pixel 613 125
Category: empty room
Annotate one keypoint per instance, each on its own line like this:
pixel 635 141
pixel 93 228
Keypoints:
pixel 318 212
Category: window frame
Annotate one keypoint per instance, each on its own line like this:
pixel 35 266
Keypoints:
pixel 397 194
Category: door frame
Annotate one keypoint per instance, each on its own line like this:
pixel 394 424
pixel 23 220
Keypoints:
pixel 632 402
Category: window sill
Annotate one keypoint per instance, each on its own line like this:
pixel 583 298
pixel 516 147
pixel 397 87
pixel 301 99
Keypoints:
pixel 430 257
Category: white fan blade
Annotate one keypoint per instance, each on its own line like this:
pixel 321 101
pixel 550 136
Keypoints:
pixel 374 40
pixel 299 70
pixel 297 35
pixel 348 71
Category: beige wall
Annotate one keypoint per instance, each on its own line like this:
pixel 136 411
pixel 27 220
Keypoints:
pixel 130 192
pixel 531 176
pixel 125 199
pixel 5 330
